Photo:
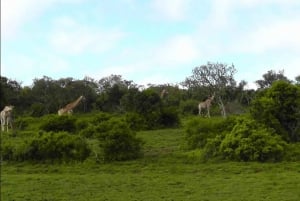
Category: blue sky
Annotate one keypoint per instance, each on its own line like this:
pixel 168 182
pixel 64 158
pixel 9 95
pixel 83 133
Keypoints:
pixel 147 41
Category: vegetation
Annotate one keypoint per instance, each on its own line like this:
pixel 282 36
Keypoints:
pixel 125 142
pixel 166 172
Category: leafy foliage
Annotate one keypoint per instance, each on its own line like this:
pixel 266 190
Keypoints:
pixel 270 77
pixel 48 146
pixel 279 107
pixel 200 130
pixel 58 123
pixel 135 121
pixel 251 141
pixel 118 142
pixel 188 107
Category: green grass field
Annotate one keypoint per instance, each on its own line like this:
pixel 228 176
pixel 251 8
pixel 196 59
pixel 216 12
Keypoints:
pixel 165 173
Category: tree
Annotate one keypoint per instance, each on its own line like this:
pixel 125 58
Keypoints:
pixel 10 92
pixel 270 77
pixel 216 77
pixel 279 108
pixel 297 78
pixel 111 90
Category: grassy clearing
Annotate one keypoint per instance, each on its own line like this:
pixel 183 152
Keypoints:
pixel 163 174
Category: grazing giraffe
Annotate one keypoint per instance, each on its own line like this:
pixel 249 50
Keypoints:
pixel 206 105
pixel 68 109
pixel 6 117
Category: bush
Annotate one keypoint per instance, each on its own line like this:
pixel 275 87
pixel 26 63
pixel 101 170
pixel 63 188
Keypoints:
pixel 199 130
pixel 278 107
pixel 251 141
pixel 118 142
pixel 59 146
pixel 58 123
pixel 22 123
pixel 189 107
pixel 292 152
pixel 135 121
pixel 46 146
pixel 10 151
pixel 89 132
pixel 169 118
pixel 101 117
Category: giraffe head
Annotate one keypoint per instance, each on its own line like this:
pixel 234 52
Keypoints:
pixel 8 108
pixel 82 98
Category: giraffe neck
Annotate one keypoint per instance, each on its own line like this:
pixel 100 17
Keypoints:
pixel 72 105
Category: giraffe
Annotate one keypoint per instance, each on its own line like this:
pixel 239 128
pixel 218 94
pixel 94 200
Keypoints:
pixel 163 93
pixel 206 105
pixel 68 109
pixel 6 117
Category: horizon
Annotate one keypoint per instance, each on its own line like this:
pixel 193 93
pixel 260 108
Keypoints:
pixel 148 42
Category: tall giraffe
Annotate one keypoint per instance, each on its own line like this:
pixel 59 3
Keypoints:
pixel 68 109
pixel 206 105
pixel 6 117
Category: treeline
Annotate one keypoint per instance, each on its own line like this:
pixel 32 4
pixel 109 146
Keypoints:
pixel 117 95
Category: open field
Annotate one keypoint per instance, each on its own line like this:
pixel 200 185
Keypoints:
pixel 165 173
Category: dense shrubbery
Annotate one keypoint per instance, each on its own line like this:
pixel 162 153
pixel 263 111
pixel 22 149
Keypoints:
pixel 118 142
pixel 169 118
pixel 199 130
pixel 278 107
pixel 189 107
pixel 48 146
pixel 252 141
pixel 23 123
pixel 58 123
pixel 239 139
pixel 135 121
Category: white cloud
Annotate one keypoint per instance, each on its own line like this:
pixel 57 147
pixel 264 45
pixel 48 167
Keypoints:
pixel 16 13
pixel 25 68
pixel 276 36
pixel 177 50
pixel 252 3
pixel 73 38
pixel 171 9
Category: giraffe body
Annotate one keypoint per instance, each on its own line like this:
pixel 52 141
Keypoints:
pixel 206 105
pixel 6 118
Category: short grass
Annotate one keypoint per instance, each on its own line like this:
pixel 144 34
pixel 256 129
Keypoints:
pixel 163 174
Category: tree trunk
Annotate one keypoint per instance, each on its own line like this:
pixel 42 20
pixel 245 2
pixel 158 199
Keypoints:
pixel 222 107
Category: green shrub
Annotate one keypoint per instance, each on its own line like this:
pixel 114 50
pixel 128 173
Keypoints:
pixel 189 107
pixel 81 124
pixel 22 123
pixel 278 107
pixel 199 130
pixel 212 147
pixel 135 121
pixel 169 118
pixel 59 146
pixel 101 117
pixel 118 142
pixel 251 141
pixel 58 123
pixel 89 132
pixel 292 152
pixel 46 146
